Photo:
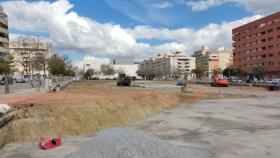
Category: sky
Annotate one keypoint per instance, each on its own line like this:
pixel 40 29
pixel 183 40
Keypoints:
pixel 100 30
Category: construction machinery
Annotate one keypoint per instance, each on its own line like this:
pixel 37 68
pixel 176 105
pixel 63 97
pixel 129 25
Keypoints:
pixel 123 80
pixel 220 82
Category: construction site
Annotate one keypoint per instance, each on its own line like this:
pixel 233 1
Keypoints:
pixel 204 118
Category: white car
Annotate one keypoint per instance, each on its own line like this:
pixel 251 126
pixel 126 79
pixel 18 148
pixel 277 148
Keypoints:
pixel 276 81
pixel 269 82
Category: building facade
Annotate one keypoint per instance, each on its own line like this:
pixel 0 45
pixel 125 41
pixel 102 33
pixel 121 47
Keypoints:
pixel 258 44
pixel 170 66
pixel 30 56
pixel 218 59
pixel 4 34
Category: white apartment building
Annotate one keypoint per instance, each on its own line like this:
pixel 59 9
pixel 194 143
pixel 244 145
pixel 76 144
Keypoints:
pixel 30 56
pixel 218 59
pixel 4 34
pixel 169 66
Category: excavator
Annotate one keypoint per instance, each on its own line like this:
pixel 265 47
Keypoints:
pixel 124 80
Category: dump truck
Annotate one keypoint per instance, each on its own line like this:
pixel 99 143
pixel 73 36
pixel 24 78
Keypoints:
pixel 123 80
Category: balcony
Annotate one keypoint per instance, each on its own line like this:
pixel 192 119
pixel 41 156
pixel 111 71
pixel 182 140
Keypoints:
pixel 4 50
pixel 4 40
pixel 3 30
pixel 4 21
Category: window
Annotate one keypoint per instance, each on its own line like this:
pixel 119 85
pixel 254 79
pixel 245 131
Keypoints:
pixel 270 55
pixel 263 32
pixel 270 63
pixel 270 39
pixel 270 30
pixel 278 28
pixel 278 36
pixel 263 48
pixel 270 47
pixel 263 40
pixel 264 56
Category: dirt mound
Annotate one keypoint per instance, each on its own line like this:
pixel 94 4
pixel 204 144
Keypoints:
pixel 128 143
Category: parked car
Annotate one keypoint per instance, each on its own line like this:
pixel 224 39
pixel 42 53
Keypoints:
pixel 236 81
pixel 258 81
pixel 269 82
pixel 276 81
pixel 22 80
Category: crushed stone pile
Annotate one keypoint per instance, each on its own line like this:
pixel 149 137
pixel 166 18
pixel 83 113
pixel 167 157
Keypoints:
pixel 129 143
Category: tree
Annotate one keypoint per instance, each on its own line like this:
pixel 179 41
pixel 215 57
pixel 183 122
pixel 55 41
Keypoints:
pixel 56 65
pixel 176 73
pixel 42 64
pixel 89 73
pixel 231 71
pixel 259 72
pixel 199 71
pixel 217 71
pixel 141 72
pixel 107 70
pixel 240 73
pixel 5 70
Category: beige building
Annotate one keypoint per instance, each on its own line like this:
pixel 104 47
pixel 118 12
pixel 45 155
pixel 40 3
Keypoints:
pixel 4 34
pixel 30 56
pixel 218 59
pixel 169 66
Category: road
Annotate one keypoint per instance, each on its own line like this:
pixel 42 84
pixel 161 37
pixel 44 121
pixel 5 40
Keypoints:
pixel 231 128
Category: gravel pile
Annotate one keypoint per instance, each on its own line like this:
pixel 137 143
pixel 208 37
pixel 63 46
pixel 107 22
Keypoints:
pixel 128 143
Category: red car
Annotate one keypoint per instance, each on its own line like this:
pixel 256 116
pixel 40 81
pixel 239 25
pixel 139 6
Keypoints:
pixel 50 143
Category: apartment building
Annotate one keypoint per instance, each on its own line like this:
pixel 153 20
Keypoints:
pixel 218 59
pixel 168 66
pixel 258 44
pixel 4 34
pixel 30 56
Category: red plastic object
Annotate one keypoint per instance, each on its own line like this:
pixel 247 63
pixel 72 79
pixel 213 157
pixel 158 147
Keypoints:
pixel 50 143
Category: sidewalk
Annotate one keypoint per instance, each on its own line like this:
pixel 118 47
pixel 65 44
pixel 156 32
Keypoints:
pixel 21 90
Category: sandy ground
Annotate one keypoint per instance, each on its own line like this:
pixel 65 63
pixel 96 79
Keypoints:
pixel 229 127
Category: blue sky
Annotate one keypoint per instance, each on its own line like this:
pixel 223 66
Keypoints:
pixel 178 16
pixel 133 28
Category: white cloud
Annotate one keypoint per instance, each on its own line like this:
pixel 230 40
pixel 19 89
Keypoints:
pixel 255 6
pixel 69 31
pixel 93 61
pixel 163 5
pixel 170 48
pixel 212 35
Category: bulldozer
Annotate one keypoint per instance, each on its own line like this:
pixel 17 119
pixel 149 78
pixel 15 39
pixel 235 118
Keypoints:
pixel 123 80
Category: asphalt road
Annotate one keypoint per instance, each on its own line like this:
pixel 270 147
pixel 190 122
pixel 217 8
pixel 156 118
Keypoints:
pixel 231 128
